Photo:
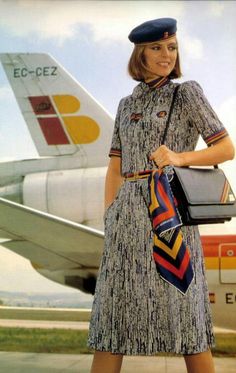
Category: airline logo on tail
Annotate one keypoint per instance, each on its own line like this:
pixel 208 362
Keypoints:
pixel 58 122
pixel 62 117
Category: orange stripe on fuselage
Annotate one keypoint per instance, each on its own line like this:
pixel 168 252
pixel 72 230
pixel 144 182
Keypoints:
pixel 228 263
pixel 219 251
pixel 220 263
pixel 212 263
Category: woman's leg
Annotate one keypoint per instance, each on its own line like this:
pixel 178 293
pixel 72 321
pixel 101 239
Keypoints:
pixel 199 363
pixel 105 362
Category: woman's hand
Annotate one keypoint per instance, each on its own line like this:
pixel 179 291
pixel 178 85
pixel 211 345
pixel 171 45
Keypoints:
pixel 113 181
pixel 220 152
pixel 163 156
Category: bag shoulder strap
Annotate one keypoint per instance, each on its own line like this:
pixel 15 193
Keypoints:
pixel 169 116
pixel 170 112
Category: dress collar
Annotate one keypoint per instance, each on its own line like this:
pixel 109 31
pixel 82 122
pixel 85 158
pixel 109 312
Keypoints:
pixel 158 82
pixel 148 88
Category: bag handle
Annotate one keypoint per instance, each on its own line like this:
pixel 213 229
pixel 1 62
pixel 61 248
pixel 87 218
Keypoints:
pixel 169 116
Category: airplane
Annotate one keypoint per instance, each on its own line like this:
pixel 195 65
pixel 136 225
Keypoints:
pixel 51 207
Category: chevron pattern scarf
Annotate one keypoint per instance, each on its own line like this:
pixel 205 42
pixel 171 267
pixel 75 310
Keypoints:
pixel 171 255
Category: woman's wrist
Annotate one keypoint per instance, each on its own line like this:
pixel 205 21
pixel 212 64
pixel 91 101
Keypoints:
pixel 182 160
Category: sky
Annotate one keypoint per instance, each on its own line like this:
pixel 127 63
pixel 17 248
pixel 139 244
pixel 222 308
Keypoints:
pixel 89 38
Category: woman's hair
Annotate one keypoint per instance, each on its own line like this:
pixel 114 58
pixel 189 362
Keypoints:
pixel 137 65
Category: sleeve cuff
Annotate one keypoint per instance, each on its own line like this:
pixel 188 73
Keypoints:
pixel 212 139
pixel 115 153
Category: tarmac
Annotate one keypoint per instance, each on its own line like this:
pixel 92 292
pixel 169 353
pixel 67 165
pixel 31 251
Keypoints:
pixel 43 324
pixel 18 362
pixel 75 325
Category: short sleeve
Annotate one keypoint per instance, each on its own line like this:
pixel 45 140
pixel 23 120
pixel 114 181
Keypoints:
pixel 201 114
pixel 115 149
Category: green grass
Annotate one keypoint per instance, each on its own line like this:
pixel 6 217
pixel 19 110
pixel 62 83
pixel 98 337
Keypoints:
pixel 44 340
pixel 225 345
pixel 24 314
pixel 75 341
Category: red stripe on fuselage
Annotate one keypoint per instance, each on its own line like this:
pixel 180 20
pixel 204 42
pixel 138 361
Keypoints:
pixel 212 244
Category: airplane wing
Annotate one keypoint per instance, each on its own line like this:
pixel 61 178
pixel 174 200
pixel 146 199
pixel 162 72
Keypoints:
pixel 49 242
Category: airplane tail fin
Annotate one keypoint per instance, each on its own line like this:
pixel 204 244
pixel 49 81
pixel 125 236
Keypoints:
pixel 62 117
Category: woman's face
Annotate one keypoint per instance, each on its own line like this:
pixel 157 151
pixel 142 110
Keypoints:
pixel 160 57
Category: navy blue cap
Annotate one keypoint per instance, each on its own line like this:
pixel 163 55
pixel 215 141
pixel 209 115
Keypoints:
pixel 150 31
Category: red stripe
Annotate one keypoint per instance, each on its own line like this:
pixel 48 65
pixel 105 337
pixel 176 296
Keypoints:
pixel 178 272
pixel 53 131
pixel 167 214
pixel 217 136
pixel 140 173
pixel 115 152
pixel 213 244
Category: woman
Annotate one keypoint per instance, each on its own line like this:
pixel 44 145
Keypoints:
pixel 136 311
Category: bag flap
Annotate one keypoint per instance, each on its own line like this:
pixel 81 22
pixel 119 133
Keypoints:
pixel 205 185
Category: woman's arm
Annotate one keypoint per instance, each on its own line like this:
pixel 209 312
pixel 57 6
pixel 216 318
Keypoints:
pixel 113 180
pixel 218 153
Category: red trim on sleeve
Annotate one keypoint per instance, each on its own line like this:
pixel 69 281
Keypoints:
pixel 115 153
pixel 212 139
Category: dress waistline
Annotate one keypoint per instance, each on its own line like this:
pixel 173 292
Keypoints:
pixel 137 175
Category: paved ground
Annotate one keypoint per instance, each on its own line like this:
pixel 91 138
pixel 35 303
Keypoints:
pixel 17 362
pixel 11 323
pixel 78 325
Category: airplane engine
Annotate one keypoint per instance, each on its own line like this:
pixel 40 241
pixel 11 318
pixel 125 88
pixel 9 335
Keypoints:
pixel 76 195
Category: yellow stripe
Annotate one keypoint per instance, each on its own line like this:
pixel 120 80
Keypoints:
pixel 171 252
pixel 155 203
pixel 225 193
pixel 133 178
pixel 228 263
pixel 217 137
pixel 212 263
pixel 217 263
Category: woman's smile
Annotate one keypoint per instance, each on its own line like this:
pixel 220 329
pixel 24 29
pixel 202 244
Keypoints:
pixel 163 64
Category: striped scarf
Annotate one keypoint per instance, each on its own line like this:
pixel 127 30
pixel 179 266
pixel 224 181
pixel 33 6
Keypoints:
pixel 171 255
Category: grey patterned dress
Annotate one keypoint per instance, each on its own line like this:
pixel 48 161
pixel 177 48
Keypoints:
pixel 135 312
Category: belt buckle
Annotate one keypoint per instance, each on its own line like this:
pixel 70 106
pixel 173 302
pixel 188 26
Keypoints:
pixel 136 175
